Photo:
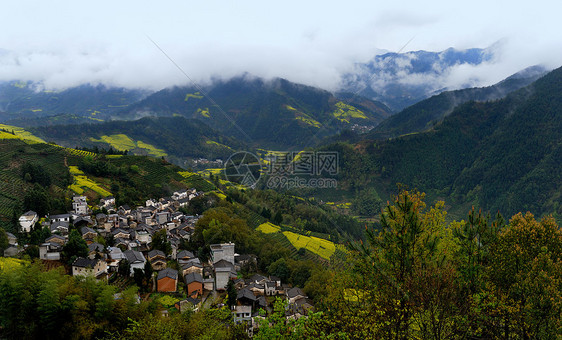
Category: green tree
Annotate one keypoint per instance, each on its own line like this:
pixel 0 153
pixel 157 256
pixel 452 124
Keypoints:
pixel 280 269
pixel 3 241
pixel 37 199
pixel 400 273
pixel 160 242
pixel 75 247
pixel 524 290
pixel 124 268
pixel 278 218
pixel 231 293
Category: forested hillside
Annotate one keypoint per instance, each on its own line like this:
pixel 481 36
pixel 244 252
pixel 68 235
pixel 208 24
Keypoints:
pixel 502 155
pixel 427 113
pixel 274 113
pixel 175 138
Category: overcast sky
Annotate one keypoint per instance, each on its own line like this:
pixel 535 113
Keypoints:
pixel 66 43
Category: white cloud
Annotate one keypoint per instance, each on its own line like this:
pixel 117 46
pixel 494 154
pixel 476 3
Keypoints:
pixel 67 43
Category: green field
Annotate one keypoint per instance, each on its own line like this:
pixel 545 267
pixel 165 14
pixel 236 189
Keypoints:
pixel 7 263
pixel 195 95
pixel 212 142
pixel 82 183
pixel 319 246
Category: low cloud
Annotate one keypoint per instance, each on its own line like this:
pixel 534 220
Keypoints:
pixel 67 44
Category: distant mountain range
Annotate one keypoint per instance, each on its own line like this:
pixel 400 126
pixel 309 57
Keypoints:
pixel 427 113
pixel 501 155
pixel 403 79
pixel 273 114
pixel 27 104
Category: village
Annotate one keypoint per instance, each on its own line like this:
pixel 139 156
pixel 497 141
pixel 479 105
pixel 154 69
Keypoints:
pixel 195 283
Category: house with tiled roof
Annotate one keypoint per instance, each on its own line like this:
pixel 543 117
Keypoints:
pixel 86 267
pixel 167 280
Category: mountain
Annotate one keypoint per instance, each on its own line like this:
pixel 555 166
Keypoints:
pixel 426 113
pixel 270 114
pixel 403 79
pixel 27 104
pixel 502 155
pixel 42 177
pixel 176 138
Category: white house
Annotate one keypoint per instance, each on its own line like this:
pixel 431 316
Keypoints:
pixel 136 259
pixel 223 271
pixel 87 267
pixel 80 205
pixel 242 314
pixel 223 251
pixel 28 220
pixel 50 251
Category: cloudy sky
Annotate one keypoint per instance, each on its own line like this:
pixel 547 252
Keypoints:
pixel 66 43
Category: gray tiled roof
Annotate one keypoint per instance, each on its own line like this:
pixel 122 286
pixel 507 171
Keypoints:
pixel 168 272
pixel 193 277
pixel 134 256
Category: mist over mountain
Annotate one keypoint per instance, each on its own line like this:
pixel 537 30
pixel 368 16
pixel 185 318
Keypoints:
pixel 402 79
pixel 501 155
pixel 426 113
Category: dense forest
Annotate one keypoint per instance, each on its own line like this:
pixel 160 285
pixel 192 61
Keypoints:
pixel 501 155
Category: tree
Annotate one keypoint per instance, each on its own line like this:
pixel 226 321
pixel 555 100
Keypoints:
pixel 75 247
pixel 37 199
pixel 403 276
pixel 524 291
pixel 280 269
pixel 3 241
pixel 160 242
pixel 278 218
pixel 231 293
pixel 124 268
pixel 138 276
pixel 148 274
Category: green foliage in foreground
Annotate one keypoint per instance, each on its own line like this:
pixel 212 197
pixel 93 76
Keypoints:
pixel 50 305
pixel 420 278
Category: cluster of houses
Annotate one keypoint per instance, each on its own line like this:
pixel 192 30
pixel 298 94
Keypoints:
pixel 252 294
pixel 132 231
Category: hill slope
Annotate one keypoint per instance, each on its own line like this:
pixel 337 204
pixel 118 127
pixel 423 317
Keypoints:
pixel 425 114
pixel 277 113
pixel 26 104
pixel 42 177
pixel 176 138
pixel 501 155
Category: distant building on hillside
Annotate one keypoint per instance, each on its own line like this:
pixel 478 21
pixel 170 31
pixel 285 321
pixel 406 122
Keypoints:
pixel 28 220
pixel 80 205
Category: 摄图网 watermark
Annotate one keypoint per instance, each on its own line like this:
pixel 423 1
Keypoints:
pixel 284 169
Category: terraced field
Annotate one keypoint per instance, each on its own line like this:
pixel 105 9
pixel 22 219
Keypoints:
pixel 196 181
pixel 123 142
pixel 13 154
pixel 22 134
pixel 315 245
pixel 268 228
pixel 318 246
pixel 82 183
